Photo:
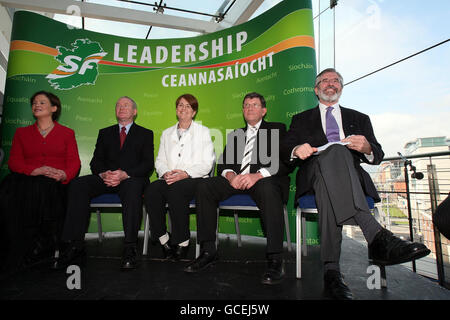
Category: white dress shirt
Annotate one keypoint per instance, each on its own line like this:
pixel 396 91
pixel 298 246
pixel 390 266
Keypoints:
pixel 336 112
pixel 127 127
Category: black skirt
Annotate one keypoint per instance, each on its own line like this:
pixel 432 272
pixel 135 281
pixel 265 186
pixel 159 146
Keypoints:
pixel 32 211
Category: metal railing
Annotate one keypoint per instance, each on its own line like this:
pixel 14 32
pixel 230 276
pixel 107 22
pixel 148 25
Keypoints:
pixel 411 188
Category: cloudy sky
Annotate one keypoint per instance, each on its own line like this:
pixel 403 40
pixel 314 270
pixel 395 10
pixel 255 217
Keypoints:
pixel 406 101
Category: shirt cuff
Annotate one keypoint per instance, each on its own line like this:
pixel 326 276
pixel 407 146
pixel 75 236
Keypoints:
pixel 370 157
pixel 224 172
pixel 264 172
pixel 293 156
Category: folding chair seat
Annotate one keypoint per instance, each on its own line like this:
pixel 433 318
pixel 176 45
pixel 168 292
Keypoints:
pixel 106 200
pixel 307 205
pixel 245 202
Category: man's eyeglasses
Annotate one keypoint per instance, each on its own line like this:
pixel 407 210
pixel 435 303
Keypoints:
pixel 253 105
pixel 332 81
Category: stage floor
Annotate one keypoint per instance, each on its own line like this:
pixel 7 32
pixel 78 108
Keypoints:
pixel 235 277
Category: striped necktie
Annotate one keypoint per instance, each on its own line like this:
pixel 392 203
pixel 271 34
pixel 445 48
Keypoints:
pixel 251 137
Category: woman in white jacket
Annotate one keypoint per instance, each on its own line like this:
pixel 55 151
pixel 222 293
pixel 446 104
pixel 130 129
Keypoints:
pixel 186 154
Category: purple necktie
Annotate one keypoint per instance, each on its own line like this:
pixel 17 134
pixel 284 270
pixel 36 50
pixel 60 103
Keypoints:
pixel 332 126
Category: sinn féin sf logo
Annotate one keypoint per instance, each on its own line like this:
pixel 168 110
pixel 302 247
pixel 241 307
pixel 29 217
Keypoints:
pixel 79 65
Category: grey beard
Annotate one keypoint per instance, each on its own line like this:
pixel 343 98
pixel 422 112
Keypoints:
pixel 334 98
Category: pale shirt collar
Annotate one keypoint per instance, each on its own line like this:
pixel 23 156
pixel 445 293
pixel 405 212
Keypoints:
pixel 256 125
pixel 338 116
pixel 127 127
pixel 336 112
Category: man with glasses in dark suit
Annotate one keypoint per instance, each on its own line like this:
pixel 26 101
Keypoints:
pixel 338 181
pixel 249 165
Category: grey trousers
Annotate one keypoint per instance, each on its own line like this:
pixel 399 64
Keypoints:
pixel 339 197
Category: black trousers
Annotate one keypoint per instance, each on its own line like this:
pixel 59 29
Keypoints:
pixel 177 196
pixel 267 194
pixel 339 197
pixel 83 189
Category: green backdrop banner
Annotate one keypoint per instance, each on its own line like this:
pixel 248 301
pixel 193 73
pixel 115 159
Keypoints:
pixel 272 54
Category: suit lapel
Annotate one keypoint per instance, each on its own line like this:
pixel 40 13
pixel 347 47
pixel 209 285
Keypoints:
pixel 347 121
pixel 316 126
pixel 116 136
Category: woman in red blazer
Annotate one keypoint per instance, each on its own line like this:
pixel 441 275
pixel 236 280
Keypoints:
pixel 43 159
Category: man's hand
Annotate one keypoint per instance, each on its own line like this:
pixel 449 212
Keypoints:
pixel 174 176
pixel 358 143
pixel 304 151
pixel 243 181
pixel 113 178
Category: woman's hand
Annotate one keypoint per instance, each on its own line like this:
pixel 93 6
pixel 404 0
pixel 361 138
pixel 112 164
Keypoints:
pixel 174 176
pixel 53 173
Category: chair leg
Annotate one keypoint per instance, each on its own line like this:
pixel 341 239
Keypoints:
pixel 238 230
pixel 146 233
pixel 298 247
pixel 304 247
pixel 217 229
pixel 383 276
pixel 288 232
pixel 99 225
pixel 197 250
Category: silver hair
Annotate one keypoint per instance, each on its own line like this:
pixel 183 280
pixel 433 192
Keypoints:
pixel 134 105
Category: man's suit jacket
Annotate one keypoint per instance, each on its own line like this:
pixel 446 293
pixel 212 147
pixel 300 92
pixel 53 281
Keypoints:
pixel 135 158
pixel 306 127
pixel 265 151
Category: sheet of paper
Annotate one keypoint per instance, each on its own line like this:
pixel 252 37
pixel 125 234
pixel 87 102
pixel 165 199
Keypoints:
pixel 325 146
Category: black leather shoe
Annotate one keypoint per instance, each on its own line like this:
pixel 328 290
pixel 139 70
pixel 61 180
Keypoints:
pixel 129 259
pixel 72 256
pixel 335 287
pixel 387 249
pixel 205 260
pixel 180 252
pixel 274 273
pixel 167 251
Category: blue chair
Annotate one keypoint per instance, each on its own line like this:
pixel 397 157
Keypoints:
pixel 307 205
pixel 112 200
pixel 108 200
pixel 245 202
pixel 147 223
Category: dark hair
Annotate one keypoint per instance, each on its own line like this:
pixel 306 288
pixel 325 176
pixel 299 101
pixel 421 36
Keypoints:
pixel 253 95
pixel 328 70
pixel 54 101
pixel 193 102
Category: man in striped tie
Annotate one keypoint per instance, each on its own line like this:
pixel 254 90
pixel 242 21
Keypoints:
pixel 250 164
